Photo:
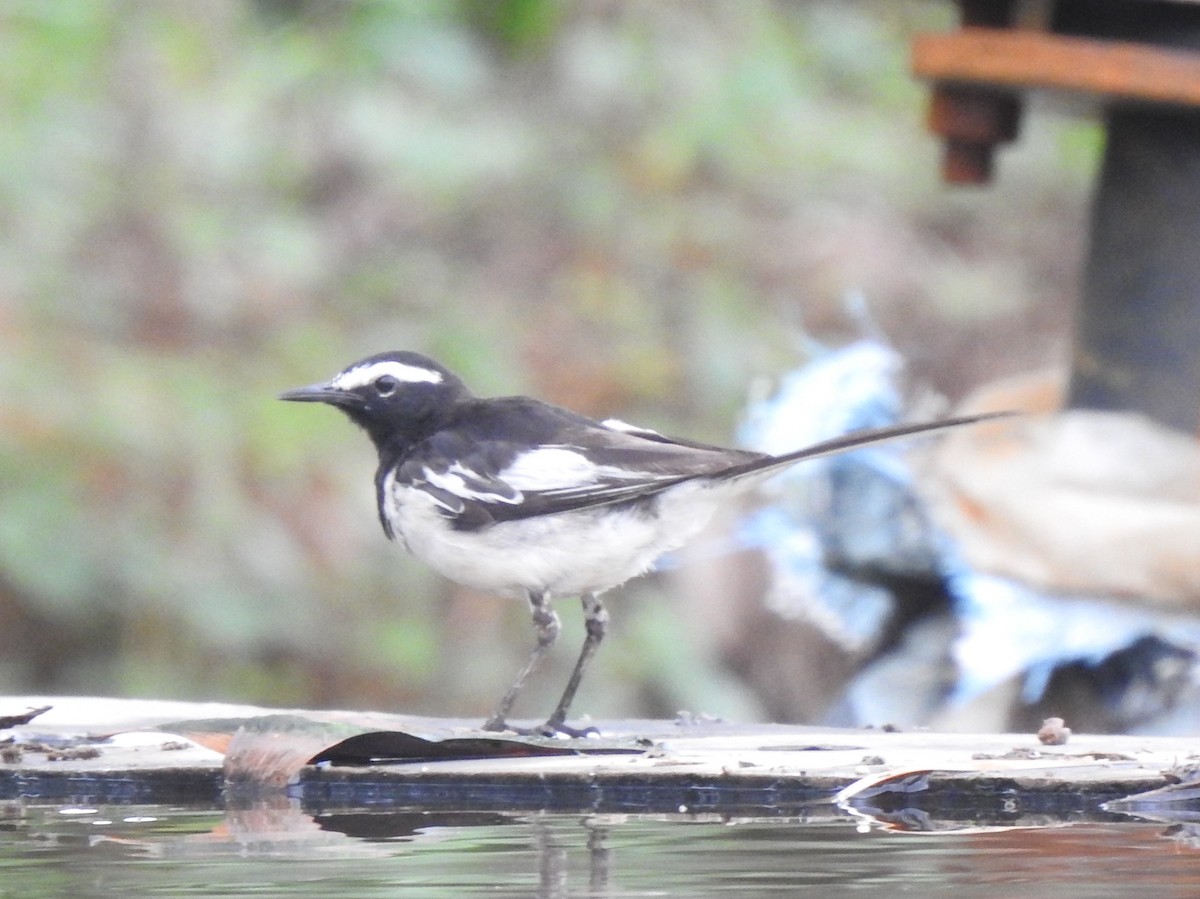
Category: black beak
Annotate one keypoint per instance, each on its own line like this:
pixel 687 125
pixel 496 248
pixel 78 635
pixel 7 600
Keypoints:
pixel 320 393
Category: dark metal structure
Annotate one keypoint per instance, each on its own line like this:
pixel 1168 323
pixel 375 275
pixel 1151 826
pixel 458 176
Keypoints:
pixel 1137 336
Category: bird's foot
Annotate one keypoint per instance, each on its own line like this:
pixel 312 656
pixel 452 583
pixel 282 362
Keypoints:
pixel 562 729
pixel 548 729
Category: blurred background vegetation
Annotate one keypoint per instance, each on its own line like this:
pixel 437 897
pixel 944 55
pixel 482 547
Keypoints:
pixel 631 208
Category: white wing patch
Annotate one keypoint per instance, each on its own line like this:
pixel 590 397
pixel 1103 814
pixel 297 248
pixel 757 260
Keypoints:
pixel 615 424
pixel 561 474
pixel 365 374
pixel 566 471
pixel 550 468
pixel 463 482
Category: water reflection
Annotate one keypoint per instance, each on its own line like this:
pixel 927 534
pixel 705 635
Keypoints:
pixel 280 848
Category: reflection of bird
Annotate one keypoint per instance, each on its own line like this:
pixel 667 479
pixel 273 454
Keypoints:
pixel 520 498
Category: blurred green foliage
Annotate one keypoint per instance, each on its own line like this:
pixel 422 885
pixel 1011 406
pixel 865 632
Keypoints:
pixel 629 208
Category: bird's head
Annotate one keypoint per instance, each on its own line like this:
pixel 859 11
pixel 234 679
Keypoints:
pixel 397 397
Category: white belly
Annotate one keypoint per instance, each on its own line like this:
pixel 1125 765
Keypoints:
pixel 586 551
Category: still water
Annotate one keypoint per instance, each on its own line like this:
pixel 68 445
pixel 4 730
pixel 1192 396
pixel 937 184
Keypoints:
pixel 281 850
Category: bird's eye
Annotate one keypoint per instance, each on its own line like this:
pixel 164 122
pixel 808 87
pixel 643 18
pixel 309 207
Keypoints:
pixel 386 385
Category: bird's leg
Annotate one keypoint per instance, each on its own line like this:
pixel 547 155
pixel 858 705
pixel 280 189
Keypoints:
pixel 546 624
pixel 595 618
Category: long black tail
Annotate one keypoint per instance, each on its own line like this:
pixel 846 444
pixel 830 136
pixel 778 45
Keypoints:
pixel 852 441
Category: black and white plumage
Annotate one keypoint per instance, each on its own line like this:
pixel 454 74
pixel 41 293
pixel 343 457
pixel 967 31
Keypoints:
pixel 524 499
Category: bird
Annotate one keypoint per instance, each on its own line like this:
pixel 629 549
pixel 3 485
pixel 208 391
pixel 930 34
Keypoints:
pixel 524 499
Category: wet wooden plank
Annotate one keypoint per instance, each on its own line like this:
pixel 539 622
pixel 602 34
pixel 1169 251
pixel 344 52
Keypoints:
pixel 643 765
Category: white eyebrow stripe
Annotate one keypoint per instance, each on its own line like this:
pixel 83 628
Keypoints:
pixel 406 374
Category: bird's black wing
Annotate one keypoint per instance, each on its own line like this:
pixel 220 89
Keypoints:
pixel 724 466
pixel 532 459
pixel 514 458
